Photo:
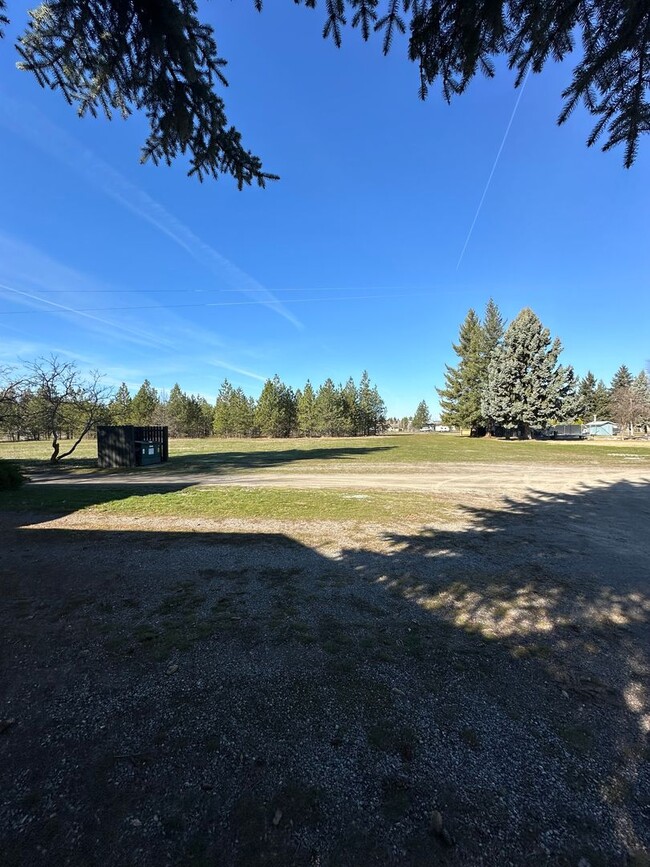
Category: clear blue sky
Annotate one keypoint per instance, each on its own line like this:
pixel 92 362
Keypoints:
pixel 350 261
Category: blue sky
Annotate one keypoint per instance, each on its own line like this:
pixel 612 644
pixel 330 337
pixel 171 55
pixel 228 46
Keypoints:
pixel 350 261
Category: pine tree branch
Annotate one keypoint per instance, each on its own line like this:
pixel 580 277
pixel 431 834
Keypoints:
pixel 157 57
pixel 121 55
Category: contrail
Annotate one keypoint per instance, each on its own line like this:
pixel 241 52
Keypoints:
pixel 141 337
pixel 88 310
pixel 27 121
pixel 241 370
pixel 487 186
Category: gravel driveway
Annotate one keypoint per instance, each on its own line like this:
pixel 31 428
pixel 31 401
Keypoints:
pixel 323 693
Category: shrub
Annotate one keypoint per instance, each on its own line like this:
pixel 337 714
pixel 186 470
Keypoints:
pixel 11 476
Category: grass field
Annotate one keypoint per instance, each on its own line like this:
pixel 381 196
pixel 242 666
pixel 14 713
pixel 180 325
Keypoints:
pixel 230 502
pixel 203 454
pixel 196 459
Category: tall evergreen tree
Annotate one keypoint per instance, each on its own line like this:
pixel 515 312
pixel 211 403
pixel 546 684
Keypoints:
pixel 144 404
pixel 372 410
pixel 641 387
pixel 460 399
pixel 622 378
pixel 587 397
pixel 306 410
pixel 275 413
pixel 242 414
pixel 492 328
pixel 527 388
pixel 602 402
pixel 120 406
pixel 222 422
pixel 350 410
pixel 328 409
pixel 422 415
pixel 176 412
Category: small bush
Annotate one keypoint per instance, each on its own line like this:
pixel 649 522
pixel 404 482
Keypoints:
pixel 10 476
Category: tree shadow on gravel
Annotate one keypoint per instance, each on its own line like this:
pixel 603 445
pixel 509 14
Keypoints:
pixel 243 698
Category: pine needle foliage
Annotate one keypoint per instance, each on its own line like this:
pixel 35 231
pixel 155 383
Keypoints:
pixel 453 40
pixel 622 378
pixel 3 18
pixel 158 57
pixel 461 399
pixel 527 389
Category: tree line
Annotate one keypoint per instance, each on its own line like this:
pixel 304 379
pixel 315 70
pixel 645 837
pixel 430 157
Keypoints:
pixel 52 400
pixel 504 379
pixel 511 378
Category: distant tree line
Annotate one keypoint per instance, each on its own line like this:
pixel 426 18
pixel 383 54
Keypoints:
pixel 54 401
pixel 504 379
pixel 511 378
pixel 330 410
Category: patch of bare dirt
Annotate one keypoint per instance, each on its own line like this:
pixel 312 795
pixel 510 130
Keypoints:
pixel 245 692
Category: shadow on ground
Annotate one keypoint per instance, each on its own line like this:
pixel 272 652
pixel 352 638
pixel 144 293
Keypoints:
pixel 241 698
pixel 207 463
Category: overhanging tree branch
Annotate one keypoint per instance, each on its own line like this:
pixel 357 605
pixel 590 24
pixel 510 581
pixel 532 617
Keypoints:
pixel 157 57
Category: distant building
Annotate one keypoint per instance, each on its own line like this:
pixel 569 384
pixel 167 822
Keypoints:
pixel 600 429
pixel 562 432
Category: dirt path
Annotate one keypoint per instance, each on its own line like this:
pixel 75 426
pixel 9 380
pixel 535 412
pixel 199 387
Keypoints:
pixel 490 479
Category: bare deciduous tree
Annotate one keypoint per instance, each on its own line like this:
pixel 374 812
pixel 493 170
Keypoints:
pixel 67 400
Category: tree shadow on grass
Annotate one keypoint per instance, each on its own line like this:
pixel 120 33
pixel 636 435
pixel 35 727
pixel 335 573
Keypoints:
pixel 224 462
pixel 497 672
pixel 215 463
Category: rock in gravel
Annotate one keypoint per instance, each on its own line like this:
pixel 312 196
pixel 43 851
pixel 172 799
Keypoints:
pixel 172 669
pixel 446 837
pixel 436 822
pixel 277 817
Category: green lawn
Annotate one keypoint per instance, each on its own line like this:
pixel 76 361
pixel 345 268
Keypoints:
pixel 197 458
pixel 224 456
pixel 229 502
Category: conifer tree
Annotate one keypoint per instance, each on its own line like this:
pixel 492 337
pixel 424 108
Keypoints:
pixel 328 409
pixel 306 410
pixel 350 410
pixel 120 406
pixel 372 410
pixel 460 399
pixel 275 413
pixel 422 415
pixel 492 328
pixel 144 404
pixel 242 414
pixel 641 388
pixel 622 378
pixel 527 388
pixel 630 404
pixel 177 412
pixel 602 402
pixel 222 425
pixel 587 397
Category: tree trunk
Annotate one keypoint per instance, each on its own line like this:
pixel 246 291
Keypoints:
pixel 54 457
